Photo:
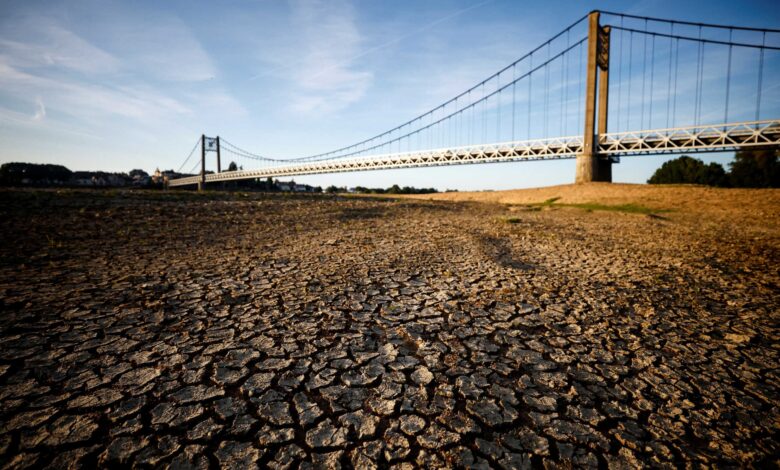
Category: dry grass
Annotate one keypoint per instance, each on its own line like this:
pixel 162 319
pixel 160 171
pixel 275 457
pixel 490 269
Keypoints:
pixel 754 209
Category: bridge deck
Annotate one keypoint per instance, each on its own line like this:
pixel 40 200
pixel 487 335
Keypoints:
pixel 721 137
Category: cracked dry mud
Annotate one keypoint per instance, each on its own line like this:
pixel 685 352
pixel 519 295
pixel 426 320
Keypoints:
pixel 186 331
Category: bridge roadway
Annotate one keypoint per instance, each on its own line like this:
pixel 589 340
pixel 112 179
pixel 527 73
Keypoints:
pixel 720 137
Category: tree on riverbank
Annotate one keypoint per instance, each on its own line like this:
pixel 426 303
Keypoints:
pixel 750 169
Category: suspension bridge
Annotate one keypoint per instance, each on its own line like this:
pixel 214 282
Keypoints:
pixel 608 85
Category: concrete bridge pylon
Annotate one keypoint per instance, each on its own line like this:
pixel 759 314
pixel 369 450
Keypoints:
pixel 591 166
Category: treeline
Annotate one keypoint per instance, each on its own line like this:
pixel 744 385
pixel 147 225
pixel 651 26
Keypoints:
pixel 394 189
pixel 750 169
pixel 44 174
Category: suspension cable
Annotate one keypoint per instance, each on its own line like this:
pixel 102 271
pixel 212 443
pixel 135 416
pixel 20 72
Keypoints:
pixel 483 99
pixel 445 104
pixel 192 170
pixel 700 39
pixel 197 142
pixel 689 23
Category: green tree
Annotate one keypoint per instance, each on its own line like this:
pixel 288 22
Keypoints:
pixel 15 173
pixel 755 169
pixel 687 170
pixel 232 167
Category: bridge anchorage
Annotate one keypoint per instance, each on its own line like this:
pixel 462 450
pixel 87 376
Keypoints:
pixel 626 86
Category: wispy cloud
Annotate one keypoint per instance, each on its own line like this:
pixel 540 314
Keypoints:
pixel 164 49
pixel 44 43
pixel 86 100
pixel 324 76
pixel 143 76
pixel 40 111
pixel 24 121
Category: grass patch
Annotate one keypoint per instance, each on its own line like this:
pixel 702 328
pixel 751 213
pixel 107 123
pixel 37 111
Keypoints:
pixel 512 220
pixel 627 208
pixel 540 205
pixel 630 208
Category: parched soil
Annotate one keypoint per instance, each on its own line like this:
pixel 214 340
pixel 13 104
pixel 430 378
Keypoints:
pixel 215 330
pixel 753 209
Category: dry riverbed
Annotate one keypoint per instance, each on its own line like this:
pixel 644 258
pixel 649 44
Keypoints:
pixel 228 330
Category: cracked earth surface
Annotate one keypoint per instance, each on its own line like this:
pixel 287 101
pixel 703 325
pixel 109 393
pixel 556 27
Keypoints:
pixel 225 330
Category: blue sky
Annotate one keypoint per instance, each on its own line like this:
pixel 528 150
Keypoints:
pixel 115 85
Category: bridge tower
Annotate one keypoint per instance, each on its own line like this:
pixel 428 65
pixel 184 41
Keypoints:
pixel 208 144
pixel 590 166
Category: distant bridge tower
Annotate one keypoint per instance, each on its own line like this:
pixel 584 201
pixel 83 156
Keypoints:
pixel 591 166
pixel 208 144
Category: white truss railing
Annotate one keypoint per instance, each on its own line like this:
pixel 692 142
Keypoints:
pixel 686 139
pixel 691 139
pixel 560 147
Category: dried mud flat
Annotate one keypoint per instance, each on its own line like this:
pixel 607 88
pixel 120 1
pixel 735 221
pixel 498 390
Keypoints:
pixel 224 330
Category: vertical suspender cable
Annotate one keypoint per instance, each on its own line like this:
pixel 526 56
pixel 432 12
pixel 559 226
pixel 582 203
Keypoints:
pixel 652 81
pixel 458 126
pixel 760 77
pixel 728 80
pixel 630 77
pixel 473 126
pixel 547 93
pixel 619 73
pixel 530 81
pixel 442 126
pixel 514 83
pixel 699 67
pixel 498 106
pixel 430 134
pixel 669 80
pixel 484 113
pixel 644 79
pixel 676 72
pixel 581 110
pixel 420 138
pixel 560 95
pixel 566 86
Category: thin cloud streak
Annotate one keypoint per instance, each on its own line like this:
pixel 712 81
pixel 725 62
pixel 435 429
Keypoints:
pixel 330 35
pixel 40 112
pixel 378 47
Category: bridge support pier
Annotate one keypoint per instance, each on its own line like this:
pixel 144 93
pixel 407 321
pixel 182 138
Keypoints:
pixel 202 180
pixel 590 166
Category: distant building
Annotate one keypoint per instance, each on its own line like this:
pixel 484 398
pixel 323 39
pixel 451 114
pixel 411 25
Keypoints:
pixel 162 177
